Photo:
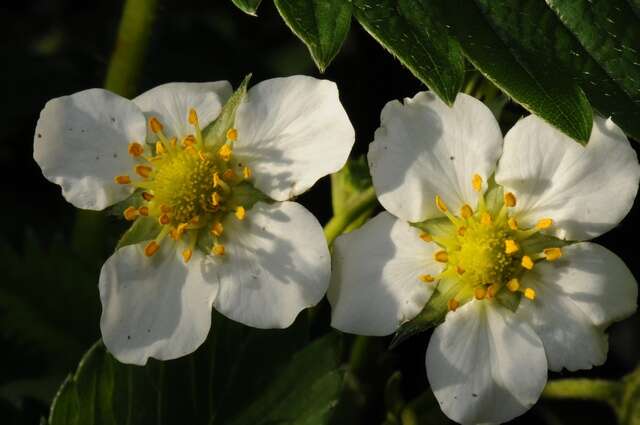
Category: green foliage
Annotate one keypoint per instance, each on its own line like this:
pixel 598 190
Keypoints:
pixel 322 25
pixel 248 6
pixel 240 376
pixel 415 34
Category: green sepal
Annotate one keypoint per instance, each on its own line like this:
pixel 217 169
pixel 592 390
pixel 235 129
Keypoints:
pixel 216 133
pixel 508 299
pixel 142 230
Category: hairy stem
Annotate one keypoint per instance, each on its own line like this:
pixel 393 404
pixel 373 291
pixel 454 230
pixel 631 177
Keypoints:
pixel 583 389
pixel 361 203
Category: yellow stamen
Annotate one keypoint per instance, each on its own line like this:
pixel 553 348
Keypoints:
pixel 130 214
pixel 218 249
pixel 144 211
pixel 476 182
pixel 453 304
pixel 246 173
pixel 552 254
pixel 135 149
pixel 527 262
pixel 215 199
pixel 510 246
pixel 427 278
pixel 186 254
pixel 530 293
pixel 441 256
pixel 217 229
pixel 122 179
pixel 193 117
pixel 440 204
pixel 513 223
pixel 462 230
pixel 479 293
pixel 544 223
pixel 510 199
pixel 229 175
pixel 160 149
pixel 164 219
pixel 151 248
pixel 143 171
pixel 225 152
pixel 466 211
pixel 459 270
pixel 232 134
pixel 426 237
pixel 165 209
pixel 147 196
pixel 155 125
pixel 190 140
pixel 240 213
pixel 493 290
pixel 486 219
pixel 513 285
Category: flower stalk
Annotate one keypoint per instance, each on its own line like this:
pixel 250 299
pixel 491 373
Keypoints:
pixel 356 207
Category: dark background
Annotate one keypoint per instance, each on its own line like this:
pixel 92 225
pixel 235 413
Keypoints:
pixel 49 305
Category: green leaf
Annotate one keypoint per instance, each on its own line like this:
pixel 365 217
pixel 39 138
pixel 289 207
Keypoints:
pixel 224 382
pixel 143 229
pixel 215 134
pixel 412 31
pixel 248 6
pixel 322 25
pixel 531 79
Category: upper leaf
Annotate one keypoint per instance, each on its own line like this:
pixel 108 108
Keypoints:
pixel 411 31
pixel 322 25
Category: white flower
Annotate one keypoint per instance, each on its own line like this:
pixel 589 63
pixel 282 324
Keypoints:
pixel 218 242
pixel 498 243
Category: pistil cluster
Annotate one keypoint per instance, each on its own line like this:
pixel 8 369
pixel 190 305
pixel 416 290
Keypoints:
pixel 486 251
pixel 187 187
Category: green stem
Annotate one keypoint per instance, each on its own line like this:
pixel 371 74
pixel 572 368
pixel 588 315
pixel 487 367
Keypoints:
pixel 361 203
pixel 583 389
pixel 122 77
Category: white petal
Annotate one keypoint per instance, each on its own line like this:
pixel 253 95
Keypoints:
pixel 291 132
pixel 276 264
pixel 586 191
pixel 156 307
pixel 171 102
pixel 484 366
pixel 81 144
pixel 423 148
pixel 576 298
pixel 375 284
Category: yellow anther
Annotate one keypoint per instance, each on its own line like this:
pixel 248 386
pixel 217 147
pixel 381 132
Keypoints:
pixel 510 199
pixel 479 293
pixel 513 285
pixel 493 290
pixel 426 237
pixel 441 256
pixel 131 213
pixel 166 209
pixel 215 199
pixel 143 171
pixel 246 173
pixel 462 230
pixel 164 219
pixel 160 149
pixel 190 140
pixel 173 142
pixel 144 211
pixel 544 223
pixel 217 228
pixel 240 213
pixel 186 254
pixel 453 304
pixel 476 182
pixel 177 233
pixel 440 204
pixel 193 117
pixel 232 134
pixel 552 254
pixel 147 196
pixel 202 155
pixel 510 246
pixel 122 179
pixel 229 175
pixel 527 262
pixel 151 248
pixel 135 149
pixel 466 211
pixel 513 223
pixel 216 180
pixel 194 220
pixel 530 293
pixel 225 152
pixel 155 125
pixel 486 219
pixel 218 249
pixel 427 278
pixel 460 270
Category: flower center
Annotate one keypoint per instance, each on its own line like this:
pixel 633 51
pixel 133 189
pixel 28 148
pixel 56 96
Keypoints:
pixel 187 186
pixel 485 251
